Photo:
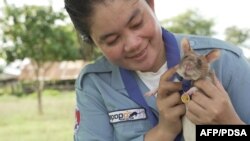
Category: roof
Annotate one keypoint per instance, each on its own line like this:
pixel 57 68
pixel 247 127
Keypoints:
pixel 65 70
pixel 4 77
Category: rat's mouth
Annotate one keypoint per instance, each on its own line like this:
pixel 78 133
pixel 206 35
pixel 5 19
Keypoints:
pixel 187 74
pixel 188 68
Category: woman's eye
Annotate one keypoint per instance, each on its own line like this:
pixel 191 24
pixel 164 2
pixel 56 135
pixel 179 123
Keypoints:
pixel 112 41
pixel 136 25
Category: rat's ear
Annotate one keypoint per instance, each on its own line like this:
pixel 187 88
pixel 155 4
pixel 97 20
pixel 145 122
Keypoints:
pixel 185 45
pixel 213 55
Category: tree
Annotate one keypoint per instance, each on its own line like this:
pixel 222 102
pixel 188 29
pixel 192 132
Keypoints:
pixel 34 32
pixel 236 35
pixel 189 22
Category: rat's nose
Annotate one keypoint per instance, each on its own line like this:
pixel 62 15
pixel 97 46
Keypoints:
pixel 188 66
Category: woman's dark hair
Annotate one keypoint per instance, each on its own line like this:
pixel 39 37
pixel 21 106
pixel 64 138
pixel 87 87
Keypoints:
pixel 80 12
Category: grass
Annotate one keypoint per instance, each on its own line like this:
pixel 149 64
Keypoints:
pixel 20 121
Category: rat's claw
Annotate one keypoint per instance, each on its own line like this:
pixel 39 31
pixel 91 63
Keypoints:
pixel 191 90
pixel 151 93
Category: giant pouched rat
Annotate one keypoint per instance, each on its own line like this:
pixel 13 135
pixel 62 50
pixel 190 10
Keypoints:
pixel 194 66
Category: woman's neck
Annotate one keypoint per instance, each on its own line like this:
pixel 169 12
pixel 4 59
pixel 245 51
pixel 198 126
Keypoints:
pixel 161 59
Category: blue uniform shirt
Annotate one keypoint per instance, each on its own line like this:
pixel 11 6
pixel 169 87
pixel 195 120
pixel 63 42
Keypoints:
pixel 108 114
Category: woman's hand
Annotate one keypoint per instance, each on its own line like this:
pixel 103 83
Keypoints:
pixel 211 104
pixel 170 108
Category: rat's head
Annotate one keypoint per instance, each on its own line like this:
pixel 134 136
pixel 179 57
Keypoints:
pixel 194 66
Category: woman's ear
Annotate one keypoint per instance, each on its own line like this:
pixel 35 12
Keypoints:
pixel 151 3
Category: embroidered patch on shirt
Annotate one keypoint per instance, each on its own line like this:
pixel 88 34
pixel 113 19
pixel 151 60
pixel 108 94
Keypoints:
pixel 127 115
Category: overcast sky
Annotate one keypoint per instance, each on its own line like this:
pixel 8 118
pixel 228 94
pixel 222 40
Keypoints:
pixel 225 13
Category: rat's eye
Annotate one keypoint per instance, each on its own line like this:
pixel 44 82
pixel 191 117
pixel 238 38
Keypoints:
pixel 185 57
pixel 199 62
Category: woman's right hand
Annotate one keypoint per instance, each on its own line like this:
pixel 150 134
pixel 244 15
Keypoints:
pixel 170 108
pixel 169 104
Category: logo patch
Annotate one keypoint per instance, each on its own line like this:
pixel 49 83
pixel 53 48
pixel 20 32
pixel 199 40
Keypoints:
pixel 127 115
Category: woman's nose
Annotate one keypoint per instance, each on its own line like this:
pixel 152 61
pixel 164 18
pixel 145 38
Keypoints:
pixel 132 42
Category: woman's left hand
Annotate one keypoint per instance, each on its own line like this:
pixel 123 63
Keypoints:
pixel 211 104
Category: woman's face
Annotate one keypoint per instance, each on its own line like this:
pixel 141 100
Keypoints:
pixel 128 34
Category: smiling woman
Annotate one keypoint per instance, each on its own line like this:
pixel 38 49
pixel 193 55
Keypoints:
pixel 140 56
pixel 126 31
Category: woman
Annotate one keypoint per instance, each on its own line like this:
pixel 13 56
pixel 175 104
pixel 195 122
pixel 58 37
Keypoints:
pixel 139 56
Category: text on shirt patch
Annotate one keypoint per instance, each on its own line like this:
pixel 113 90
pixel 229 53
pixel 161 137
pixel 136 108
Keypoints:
pixel 127 115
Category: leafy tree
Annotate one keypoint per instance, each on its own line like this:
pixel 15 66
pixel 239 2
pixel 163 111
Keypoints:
pixel 189 22
pixel 35 32
pixel 1 69
pixel 236 35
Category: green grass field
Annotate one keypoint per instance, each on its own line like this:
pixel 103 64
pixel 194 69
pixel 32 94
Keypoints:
pixel 20 121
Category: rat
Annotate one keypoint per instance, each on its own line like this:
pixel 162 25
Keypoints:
pixel 193 67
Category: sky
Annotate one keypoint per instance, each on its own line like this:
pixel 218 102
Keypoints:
pixel 225 13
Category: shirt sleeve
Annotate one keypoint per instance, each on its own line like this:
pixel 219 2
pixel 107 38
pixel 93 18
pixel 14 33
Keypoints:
pixel 94 124
pixel 94 121
pixel 235 72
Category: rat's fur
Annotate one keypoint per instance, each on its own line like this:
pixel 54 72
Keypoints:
pixel 193 67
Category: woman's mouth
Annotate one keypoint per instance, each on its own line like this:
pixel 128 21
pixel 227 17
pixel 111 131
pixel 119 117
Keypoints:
pixel 139 56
